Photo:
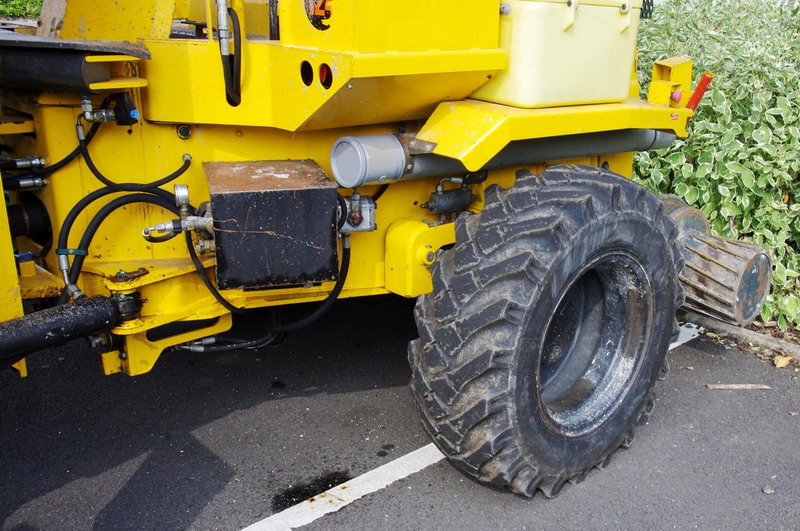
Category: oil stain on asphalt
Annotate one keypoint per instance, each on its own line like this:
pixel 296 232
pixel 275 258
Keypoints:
pixel 294 495
pixel 384 451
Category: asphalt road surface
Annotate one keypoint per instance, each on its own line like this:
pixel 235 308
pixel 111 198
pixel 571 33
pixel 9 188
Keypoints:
pixel 221 441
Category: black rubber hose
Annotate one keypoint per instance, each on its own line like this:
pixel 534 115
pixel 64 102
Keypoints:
pixel 42 172
pixel 162 239
pixel 242 344
pixel 97 220
pixel 274 24
pixel 476 178
pixel 131 187
pixel 207 281
pixel 326 304
pixel 380 192
pixel 344 209
pixel 232 67
pixel 72 155
pixel 55 326
pixel 288 327
pixel 237 53
pixel 102 214
pixel 69 220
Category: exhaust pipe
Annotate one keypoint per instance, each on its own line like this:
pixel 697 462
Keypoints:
pixel 55 326
pixel 360 160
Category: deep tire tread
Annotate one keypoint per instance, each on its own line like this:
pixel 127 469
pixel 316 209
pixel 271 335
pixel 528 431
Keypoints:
pixel 482 291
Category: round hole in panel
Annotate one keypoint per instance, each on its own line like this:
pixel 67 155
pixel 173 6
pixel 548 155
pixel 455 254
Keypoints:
pixel 325 75
pixel 307 73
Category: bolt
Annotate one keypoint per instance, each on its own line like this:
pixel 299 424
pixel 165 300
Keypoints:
pixel 505 9
pixel 123 355
pixel 122 273
pixel 430 256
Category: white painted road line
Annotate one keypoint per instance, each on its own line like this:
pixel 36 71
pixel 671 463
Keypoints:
pixel 346 493
pixel 342 495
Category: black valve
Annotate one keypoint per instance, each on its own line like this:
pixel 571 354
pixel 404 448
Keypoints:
pixel 449 201
pixel 125 112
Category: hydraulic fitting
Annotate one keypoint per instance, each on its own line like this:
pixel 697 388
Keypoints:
pixel 449 201
pixel 73 292
pixel 360 216
pixel 90 114
pixel 23 163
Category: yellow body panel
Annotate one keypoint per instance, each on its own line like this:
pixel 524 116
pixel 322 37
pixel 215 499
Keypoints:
pixel 372 26
pixel 475 131
pixel 10 298
pixel 16 128
pixel 37 282
pixel 402 67
pixel 193 74
pixel 10 295
pixel 126 20
pixel 411 247
pixel 671 83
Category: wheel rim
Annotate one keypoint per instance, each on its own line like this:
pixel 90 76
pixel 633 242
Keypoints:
pixel 594 343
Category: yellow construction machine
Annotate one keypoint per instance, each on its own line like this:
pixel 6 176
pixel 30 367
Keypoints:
pixel 169 163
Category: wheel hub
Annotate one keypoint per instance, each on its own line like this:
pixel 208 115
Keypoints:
pixel 593 345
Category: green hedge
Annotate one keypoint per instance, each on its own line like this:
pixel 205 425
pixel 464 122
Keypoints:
pixel 20 8
pixel 741 162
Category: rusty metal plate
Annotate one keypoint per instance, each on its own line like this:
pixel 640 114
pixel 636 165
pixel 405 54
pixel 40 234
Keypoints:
pixel 253 176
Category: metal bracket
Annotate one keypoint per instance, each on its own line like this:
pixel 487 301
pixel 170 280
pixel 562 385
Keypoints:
pixel 572 7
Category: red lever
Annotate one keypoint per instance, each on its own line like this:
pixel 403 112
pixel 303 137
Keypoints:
pixel 700 90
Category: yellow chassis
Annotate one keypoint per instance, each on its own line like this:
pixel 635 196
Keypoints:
pixel 375 79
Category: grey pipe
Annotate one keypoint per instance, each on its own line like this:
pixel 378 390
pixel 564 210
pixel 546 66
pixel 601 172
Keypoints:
pixel 360 160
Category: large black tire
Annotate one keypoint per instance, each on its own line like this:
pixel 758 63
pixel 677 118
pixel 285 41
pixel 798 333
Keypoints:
pixel 547 328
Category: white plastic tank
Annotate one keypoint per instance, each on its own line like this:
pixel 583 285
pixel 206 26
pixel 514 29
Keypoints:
pixel 564 52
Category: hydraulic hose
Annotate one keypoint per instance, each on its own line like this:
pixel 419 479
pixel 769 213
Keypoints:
pixel 97 220
pixel 343 211
pixel 103 213
pixel 130 187
pixel 72 155
pixel 232 66
pixel 207 281
pixel 112 187
pixel 11 181
pixel 69 220
pixel 279 328
pixel 55 326
pixel 377 195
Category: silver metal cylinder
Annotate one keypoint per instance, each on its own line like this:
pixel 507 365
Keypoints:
pixel 384 158
pixel 367 159
pixel 723 278
pixel 726 279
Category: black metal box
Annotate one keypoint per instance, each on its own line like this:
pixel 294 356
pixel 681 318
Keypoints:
pixel 274 223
